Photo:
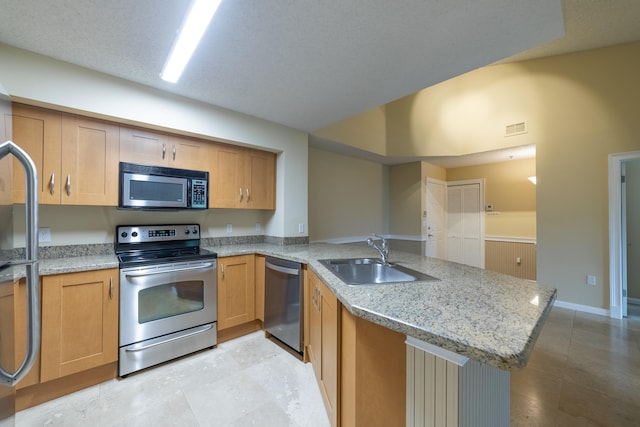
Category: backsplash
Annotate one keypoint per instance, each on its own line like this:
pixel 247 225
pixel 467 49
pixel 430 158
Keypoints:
pixel 67 251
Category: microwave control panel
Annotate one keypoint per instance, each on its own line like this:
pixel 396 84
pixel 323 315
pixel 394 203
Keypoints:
pixel 199 193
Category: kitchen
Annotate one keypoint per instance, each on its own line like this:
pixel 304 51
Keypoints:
pixel 84 225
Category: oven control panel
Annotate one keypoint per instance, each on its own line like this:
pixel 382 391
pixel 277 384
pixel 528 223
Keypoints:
pixel 157 233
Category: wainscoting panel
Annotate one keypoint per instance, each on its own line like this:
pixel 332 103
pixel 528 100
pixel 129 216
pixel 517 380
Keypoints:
pixel 511 257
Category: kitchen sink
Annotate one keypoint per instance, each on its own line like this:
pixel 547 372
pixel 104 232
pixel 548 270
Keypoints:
pixel 371 271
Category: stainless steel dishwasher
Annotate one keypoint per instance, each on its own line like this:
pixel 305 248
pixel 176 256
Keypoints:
pixel 283 301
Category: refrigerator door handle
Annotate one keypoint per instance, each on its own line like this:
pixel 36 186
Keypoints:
pixel 32 276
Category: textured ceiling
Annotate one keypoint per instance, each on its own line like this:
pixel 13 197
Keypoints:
pixel 308 64
pixel 302 63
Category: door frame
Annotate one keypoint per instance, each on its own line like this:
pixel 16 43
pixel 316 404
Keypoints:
pixel 425 231
pixel 616 265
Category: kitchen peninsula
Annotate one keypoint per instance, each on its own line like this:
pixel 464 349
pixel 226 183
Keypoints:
pixel 469 317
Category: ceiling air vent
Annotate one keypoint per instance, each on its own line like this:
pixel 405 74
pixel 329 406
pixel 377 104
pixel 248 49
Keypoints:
pixel 515 129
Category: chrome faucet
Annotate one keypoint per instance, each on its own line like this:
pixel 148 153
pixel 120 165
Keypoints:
pixel 383 249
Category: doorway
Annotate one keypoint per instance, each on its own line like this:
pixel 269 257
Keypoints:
pixel 618 244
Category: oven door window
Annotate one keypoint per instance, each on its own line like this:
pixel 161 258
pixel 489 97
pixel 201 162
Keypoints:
pixel 170 299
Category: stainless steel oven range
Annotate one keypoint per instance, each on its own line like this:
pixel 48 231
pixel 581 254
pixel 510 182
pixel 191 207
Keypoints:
pixel 168 294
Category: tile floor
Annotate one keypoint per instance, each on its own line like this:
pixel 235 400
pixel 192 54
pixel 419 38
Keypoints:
pixel 249 381
pixel 584 371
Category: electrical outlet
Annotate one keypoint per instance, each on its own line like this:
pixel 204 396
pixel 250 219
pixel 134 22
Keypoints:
pixel 258 227
pixel 229 228
pixel 300 228
pixel 591 280
pixel 44 235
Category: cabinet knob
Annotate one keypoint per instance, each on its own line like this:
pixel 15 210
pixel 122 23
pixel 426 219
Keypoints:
pixel 52 184
pixel 68 186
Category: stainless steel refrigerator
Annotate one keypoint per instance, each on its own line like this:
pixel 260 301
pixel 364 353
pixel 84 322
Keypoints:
pixel 18 260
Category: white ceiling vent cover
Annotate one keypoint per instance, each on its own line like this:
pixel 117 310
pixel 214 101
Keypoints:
pixel 516 129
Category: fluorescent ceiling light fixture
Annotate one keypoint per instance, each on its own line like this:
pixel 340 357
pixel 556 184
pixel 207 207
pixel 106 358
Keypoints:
pixel 532 179
pixel 190 34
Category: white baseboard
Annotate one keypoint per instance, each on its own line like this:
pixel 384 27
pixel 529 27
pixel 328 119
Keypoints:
pixel 583 308
pixel 634 301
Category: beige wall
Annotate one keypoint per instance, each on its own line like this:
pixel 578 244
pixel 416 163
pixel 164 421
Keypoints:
pixel 512 195
pixel 405 200
pixel 365 131
pixel 578 109
pixel 348 197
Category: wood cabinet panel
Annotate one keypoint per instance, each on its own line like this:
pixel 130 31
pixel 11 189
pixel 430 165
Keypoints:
pixel 324 343
pixel 244 178
pixel 90 153
pixel 372 375
pixel 79 322
pixel 143 147
pixel 38 131
pixel 236 291
pixel 190 153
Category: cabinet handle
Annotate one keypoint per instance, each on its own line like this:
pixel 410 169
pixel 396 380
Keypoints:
pixel 174 152
pixel 52 184
pixel 248 195
pixel 241 194
pixel 164 150
pixel 222 267
pixel 111 287
pixel 68 186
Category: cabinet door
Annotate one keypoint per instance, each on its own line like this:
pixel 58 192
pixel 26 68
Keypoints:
pixel 323 347
pixel 144 147
pixel 79 322
pixel 38 132
pixel 260 179
pixel 90 153
pixel 228 179
pixel 189 153
pixel 236 291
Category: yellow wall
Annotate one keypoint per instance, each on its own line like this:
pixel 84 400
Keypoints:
pixel 348 197
pixel 365 131
pixel 511 194
pixel 579 108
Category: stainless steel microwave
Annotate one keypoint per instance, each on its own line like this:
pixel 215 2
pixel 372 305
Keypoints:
pixel 157 187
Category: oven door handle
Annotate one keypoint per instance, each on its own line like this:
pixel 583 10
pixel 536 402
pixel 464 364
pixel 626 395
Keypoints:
pixel 200 330
pixel 172 270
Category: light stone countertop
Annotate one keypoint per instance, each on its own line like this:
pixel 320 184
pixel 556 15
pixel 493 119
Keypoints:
pixel 490 317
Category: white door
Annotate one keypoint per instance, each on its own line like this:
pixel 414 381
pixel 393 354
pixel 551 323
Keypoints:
pixel 436 220
pixel 464 224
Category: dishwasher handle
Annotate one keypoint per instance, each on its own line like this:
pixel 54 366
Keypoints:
pixel 285 270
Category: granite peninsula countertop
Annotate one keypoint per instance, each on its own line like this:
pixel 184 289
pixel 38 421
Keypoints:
pixel 486 316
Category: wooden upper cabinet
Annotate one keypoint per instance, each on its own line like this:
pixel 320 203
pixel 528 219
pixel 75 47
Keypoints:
pixel 147 147
pixel 38 131
pixel 243 178
pixel 144 147
pixel 190 153
pixel 89 162
pixel 76 157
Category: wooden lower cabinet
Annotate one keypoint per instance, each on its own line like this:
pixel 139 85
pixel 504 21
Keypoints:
pixel 79 322
pixel 236 291
pixel 373 374
pixel 360 367
pixel 323 344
